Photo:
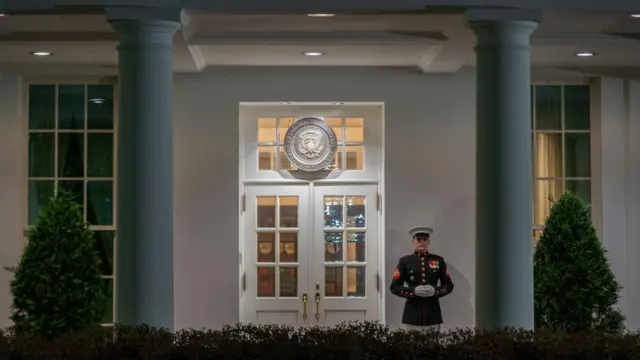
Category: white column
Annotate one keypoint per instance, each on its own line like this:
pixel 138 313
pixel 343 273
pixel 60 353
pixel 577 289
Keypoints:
pixel 504 249
pixel 144 268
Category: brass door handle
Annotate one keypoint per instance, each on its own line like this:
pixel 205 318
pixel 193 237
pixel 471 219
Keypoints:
pixel 304 306
pixel 317 301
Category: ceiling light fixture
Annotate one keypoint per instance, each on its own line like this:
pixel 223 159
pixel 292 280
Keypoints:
pixel 1 14
pixel 41 53
pixel 312 53
pixel 320 15
pixel 635 16
pixel 97 101
pixel 585 54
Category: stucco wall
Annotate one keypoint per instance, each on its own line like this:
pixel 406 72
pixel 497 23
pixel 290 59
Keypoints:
pixel 12 184
pixel 430 156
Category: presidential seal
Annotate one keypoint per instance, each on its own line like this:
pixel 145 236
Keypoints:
pixel 310 144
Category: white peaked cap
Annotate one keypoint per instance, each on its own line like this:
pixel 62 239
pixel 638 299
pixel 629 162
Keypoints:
pixel 420 230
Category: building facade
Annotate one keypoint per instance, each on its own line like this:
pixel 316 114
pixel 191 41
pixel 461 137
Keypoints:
pixel 202 219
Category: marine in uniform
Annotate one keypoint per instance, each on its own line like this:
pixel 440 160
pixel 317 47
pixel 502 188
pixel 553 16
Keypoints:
pixel 422 279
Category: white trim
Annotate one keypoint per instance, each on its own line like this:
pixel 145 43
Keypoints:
pixel 382 242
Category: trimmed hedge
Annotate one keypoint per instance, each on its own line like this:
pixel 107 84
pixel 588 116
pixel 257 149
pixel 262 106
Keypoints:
pixel 364 341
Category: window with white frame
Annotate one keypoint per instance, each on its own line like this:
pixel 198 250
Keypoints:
pixel 349 133
pixel 561 128
pixel 71 143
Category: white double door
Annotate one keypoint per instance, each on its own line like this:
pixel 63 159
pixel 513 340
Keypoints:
pixel 310 254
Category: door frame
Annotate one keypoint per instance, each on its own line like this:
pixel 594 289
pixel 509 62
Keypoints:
pixel 379 180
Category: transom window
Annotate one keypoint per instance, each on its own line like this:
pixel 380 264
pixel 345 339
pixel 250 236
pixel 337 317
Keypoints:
pixel 561 130
pixel 71 144
pixel 349 132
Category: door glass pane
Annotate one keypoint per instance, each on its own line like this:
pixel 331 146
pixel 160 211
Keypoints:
pixel 546 192
pixel 71 107
pixel 107 284
pixel 336 126
pixel 288 282
pixel 337 159
pixel 100 155
pixel 354 130
pixel 266 157
pixel 332 281
pixel 285 164
pixel 100 107
pixel 288 247
pixel 548 107
pixel 41 155
pixel 266 282
pixel 355 246
pixel 355 157
pixel 266 211
pixel 100 202
pixel 42 107
pixel 355 281
pixel 577 107
pixel 266 247
pixel 103 244
pixel 283 126
pixel 267 130
pixel 333 206
pixel 548 155
pixel 40 191
pixel 577 155
pixel 289 212
pixel 70 155
pixel 355 211
pixel 333 246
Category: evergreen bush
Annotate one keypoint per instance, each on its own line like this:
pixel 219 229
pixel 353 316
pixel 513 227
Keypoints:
pixel 575 289
pixel 57 286
pixel 355 341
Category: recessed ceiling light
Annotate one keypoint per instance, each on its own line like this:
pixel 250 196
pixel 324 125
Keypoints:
pixel 585 54
pixel 97 101
pixel 321 15
pixel 41 53
pixel 313 53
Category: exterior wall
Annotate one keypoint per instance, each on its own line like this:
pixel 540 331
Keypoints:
pixel 616 166
pixel 429 177
pixel 12 184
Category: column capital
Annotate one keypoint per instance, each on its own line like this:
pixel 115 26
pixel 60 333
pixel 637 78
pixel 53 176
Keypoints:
pixel 142 25
pixel 132 18
pixel 503 27
pixel 502 15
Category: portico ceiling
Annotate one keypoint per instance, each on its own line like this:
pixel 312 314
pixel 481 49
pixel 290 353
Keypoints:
pixel 431 42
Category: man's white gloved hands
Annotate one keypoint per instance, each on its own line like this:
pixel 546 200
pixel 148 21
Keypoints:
pixel 425 291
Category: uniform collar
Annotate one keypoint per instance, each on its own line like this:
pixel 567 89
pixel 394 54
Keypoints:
pixel 421 254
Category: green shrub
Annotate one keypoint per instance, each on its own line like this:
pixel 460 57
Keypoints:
pixel 57 286
pixel 575 289
pixel 364 341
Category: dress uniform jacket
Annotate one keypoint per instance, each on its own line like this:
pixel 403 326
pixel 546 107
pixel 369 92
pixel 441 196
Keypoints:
pixel 421 269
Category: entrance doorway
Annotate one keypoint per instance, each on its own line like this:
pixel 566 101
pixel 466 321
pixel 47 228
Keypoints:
pixel 311 240
pixel 316 254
